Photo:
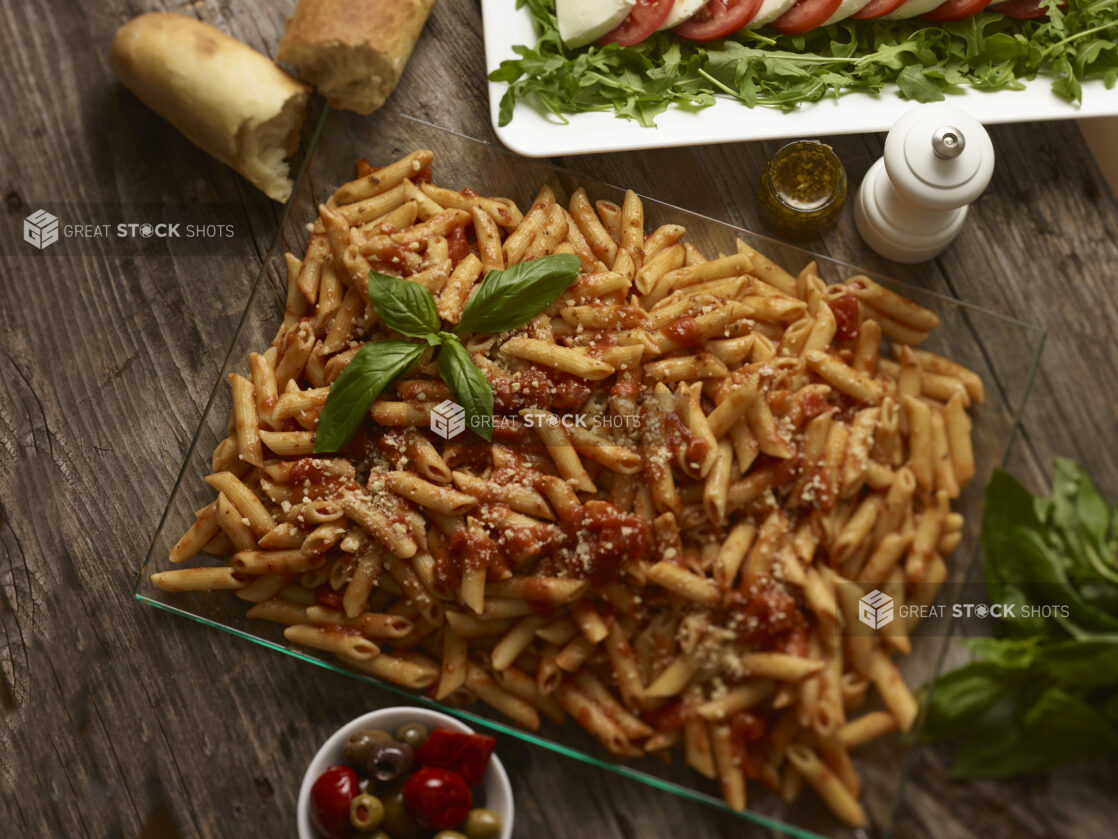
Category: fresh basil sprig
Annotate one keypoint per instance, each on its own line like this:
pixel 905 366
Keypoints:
pixel 467 384
pixel 404 306
pixel 1044 692
pixel 505 300
pixel 509 299
pixel 375 366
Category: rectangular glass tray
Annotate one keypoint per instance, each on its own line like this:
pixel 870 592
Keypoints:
pixel 1001 350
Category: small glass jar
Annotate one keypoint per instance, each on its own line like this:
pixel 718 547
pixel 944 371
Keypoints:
pixel 801 190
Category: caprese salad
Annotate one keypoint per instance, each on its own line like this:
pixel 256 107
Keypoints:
pixel 628 22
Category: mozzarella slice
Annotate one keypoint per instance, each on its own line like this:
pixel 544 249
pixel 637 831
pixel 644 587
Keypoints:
pixel 681 10
pixel 912 8
pixel 583 21
pixel 770 10
pixel 846 9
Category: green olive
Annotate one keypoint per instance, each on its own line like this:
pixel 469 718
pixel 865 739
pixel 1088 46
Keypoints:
pixel 482 824
pixel 450 834
pixel 361 743
pixel 396 822
pixel 412 733
pixel 366 812
pixel 380 834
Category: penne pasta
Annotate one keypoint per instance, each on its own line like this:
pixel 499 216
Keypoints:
pixel 697 467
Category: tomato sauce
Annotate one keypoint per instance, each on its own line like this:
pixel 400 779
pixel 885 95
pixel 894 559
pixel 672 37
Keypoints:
pixel 684 331
pixel 667 717
pixel 769 618
pixel 747 727
pixel 327 598
pixel 845 309
pixel 680 439
pixel 813 404
pixel 307 469
pixel 529 388
pixel 531 541
pixel 390 259
pixel 535 387
pixel 600 540
pixel 569 393
pixel 509 430
pixel 457 245
pixel 625 389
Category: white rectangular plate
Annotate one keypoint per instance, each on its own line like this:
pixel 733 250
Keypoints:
pixel 534 132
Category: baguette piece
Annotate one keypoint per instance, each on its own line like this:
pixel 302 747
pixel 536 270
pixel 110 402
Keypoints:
pixel 225 97
pixel 353 51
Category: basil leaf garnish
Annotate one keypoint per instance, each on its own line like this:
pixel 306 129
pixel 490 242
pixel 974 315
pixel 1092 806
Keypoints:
pixel 468 386
pixel 505 300
pixel 403 305
pixel 375 366
pixel 509 299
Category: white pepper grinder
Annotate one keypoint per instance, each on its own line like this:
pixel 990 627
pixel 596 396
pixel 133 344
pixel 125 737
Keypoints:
pixel 913 201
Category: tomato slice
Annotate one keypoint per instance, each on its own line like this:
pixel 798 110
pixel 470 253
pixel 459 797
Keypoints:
pixel 645 19
pixel 877 8
pixel 1024 9
pixel 717 19
pixel 956 10
pixel 805 16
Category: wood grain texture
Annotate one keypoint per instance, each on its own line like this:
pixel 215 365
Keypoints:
pixel 117 720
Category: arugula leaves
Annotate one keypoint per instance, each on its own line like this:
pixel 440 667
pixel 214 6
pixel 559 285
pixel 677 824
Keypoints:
pixel 1047 692
pixel 504 300
pixel 926 61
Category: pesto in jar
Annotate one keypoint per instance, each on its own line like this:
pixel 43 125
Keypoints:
pixel 801 190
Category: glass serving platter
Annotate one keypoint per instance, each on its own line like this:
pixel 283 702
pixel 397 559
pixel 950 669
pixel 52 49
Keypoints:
pixel 1003 351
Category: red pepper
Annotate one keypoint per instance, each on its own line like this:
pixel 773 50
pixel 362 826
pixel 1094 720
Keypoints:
pixel 437 799
pixel 467 754
pixel 331 796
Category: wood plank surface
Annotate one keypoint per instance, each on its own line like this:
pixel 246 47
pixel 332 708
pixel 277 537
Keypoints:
pixel 117 720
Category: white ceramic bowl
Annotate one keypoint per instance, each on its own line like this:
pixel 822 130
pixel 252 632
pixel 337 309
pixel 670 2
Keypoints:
pixel 498 791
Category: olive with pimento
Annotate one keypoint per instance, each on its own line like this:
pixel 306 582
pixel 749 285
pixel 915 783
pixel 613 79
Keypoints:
pixel 366 812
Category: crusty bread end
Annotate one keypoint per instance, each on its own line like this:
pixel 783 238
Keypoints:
pixel 353 51
pixel 226 98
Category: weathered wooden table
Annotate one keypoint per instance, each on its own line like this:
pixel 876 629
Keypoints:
pixel 119 721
